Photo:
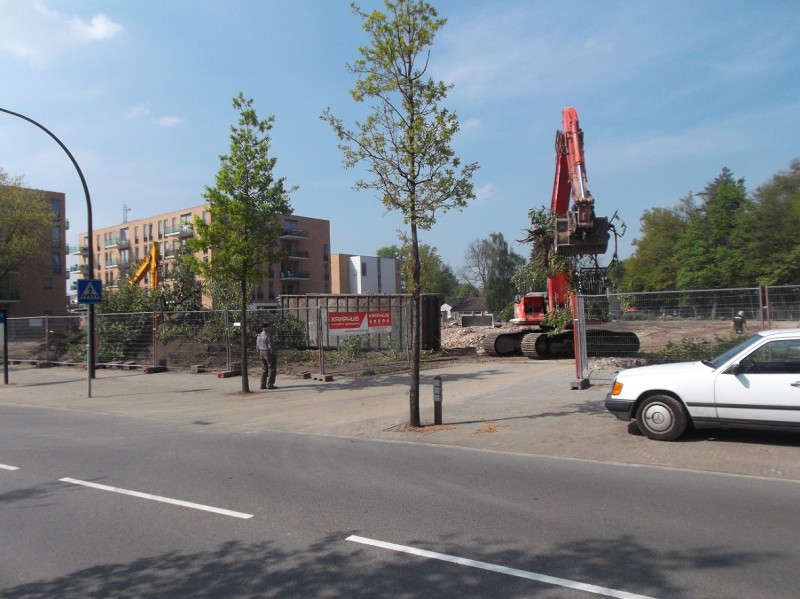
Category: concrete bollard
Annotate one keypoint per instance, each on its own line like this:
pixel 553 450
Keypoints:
pixel 437 400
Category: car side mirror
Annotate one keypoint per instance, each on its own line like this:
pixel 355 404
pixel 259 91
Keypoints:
pixel 742 367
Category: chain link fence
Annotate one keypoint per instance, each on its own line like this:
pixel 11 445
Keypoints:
pixel 675 325
pixel 211 340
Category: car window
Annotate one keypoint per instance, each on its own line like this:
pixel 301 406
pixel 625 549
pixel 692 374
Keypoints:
pixel 781 356
pixel 724 357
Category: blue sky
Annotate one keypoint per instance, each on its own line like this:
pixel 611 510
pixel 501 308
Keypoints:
pixel 668 93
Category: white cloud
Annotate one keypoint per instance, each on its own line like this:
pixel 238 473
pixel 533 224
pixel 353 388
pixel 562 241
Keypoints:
pixel 137 111
pixel 168 121
pixel 34 33
pixel 470 125
pixel 484 192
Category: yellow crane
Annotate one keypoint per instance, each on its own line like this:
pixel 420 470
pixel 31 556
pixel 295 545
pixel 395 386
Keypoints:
pixel 149 264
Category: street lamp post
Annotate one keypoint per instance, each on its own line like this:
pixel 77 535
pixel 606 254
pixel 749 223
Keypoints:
pixel 90 258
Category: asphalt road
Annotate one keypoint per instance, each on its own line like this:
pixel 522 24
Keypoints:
pixel 97 503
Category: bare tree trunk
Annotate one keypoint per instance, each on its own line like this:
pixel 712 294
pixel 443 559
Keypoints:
pixel 243 338
pixel 413 393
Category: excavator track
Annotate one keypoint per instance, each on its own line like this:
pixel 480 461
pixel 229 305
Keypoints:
pixel 538 345
pixel 500 345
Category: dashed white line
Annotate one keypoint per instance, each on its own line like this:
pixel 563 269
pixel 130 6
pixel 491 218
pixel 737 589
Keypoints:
pixel 7 467
pixel 189 504
pixel 562 582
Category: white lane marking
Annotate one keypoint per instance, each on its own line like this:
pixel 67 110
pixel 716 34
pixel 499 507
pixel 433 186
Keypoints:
pixel 7 467
pixel 562 582
pixel 196 506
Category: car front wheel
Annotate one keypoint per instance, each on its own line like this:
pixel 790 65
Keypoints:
pixel 662 418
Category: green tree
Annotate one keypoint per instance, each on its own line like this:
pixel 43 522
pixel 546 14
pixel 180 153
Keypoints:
pixel 26 224
pixel 182 290
pixel 773 243
pixel 491 265
pixel 654 264
pixel 244 208
pixel 499 289
pixel 711 253
pixel 435 275
pixel 405 141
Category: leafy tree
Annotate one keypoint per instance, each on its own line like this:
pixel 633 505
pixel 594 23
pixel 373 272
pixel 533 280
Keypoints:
pixel 405 141
pixel 244 207
pixel 773 243
pixel 182 290
pixel 435 275
pixel 499 289
pixel 654 264
pixel 490 265
pixel 711 253
pixel 26 223
pixel 465 291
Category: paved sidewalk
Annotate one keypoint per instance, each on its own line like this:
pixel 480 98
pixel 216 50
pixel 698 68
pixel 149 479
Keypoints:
pixel 521 406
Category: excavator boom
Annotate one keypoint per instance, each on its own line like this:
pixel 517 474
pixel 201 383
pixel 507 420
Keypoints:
pixel 148 265
pixel 578 231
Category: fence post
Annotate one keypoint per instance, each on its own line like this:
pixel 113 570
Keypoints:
pixel 579 341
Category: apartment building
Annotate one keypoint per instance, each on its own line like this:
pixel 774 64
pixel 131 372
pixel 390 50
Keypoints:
pixel 41 289
pixel 364 275
pixel 120 248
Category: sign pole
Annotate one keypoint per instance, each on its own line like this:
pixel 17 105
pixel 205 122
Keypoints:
pixel 5 345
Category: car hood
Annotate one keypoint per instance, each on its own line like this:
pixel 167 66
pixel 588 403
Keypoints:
pixel 666 370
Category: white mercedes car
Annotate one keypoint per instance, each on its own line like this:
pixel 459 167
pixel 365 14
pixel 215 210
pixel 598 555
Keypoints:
pixel 754 385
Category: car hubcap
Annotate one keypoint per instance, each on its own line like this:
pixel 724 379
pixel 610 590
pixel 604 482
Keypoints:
pixel 658 418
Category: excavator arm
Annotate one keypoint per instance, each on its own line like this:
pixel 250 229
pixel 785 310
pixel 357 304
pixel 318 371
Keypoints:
pixel 578 231
pixel 149 264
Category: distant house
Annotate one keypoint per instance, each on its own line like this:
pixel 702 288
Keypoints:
pixel 474 306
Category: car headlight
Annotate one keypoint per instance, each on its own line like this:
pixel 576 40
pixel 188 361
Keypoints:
pixel 617 388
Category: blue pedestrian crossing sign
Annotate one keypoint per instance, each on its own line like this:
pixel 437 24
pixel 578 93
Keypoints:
pixel 90 291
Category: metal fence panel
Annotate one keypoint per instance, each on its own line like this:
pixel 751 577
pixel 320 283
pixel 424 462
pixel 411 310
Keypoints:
pixel 680 325
pixel 47 339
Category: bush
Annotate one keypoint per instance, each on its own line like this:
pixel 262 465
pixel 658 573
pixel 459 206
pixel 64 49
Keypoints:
pixel 689 349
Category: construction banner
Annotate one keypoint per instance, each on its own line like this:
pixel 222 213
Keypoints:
pixel 353 323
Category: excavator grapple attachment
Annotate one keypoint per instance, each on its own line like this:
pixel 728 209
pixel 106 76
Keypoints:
pixel 583 241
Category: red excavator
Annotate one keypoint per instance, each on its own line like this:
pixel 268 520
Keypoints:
pixel 578 232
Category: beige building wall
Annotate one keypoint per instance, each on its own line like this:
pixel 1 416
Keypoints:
pixel 41 289
pixel 119 249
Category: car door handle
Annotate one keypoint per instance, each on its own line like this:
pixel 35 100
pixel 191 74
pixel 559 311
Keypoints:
pixel 795 384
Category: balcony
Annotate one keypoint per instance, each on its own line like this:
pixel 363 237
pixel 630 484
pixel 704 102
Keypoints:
pixel 182 230
pixel 293 275
pixel 298 254
pixel 118 242
pixel 76 250
pixel 81 268
pixel 294 234
pixel 117 263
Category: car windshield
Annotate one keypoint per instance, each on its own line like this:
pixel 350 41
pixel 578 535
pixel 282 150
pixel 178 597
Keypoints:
pixel 725 356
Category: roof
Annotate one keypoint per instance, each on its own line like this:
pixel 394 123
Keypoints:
pixel 472 304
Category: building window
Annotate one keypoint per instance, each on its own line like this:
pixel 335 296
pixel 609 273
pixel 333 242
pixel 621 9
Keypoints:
pixel 363 269
pixel 55 206
pixel 48 282
pixel 55 263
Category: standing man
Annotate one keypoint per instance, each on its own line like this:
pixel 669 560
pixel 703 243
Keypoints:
pixel 739 324
pixel 265 343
